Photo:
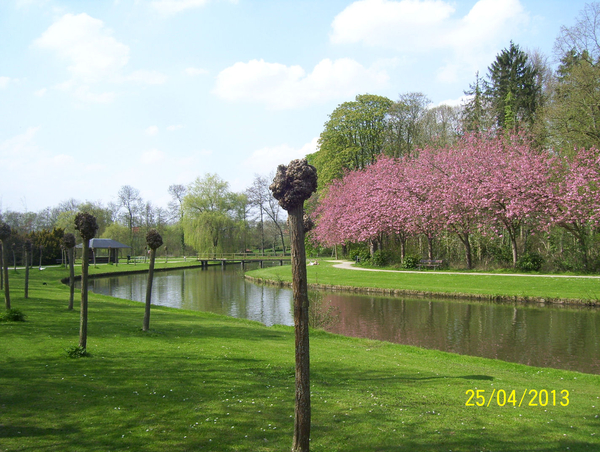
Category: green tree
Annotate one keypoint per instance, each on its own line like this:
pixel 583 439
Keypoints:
pixel 573 113
pixel 476 110
pixel 513 85
pixel 405 129
pixel 50 242
pixel 213 218
pixel 353 137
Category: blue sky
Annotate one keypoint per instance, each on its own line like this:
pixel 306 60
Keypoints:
pixel 99 94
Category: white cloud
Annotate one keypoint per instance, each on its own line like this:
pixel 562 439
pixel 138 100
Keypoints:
pixel 4 81
pixel 389 23
pixel 152 157
pixel 417 26
pixel 281 87
pixel 92 52
pixel 174 127
pixel 41 92
pixel 147 77
pixel 267 159
pixel 454 102
pixel 152 130
pixel 192 71
pixel 84 94
pixel 93 57
pixel 168 7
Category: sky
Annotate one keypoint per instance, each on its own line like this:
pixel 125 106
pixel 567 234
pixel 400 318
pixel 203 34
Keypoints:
pixel 99 94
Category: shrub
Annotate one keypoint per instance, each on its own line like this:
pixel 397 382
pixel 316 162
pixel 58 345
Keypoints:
pixel 382 258
pixel 76 352
pixel 411 261
pixel 12 315
pixel 530 262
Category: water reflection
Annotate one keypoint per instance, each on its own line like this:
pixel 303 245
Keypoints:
pixel 548 336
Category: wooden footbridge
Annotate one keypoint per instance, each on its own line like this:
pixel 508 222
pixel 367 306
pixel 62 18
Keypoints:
pixel 241 259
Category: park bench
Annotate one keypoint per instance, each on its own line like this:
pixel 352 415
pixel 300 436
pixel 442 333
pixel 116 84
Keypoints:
pixel 430 263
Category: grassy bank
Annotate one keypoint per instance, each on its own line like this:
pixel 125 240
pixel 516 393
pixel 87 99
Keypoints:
pixel 497 286
pixel 200 381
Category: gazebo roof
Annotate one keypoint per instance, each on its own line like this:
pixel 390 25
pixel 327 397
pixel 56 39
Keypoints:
pixel 105 243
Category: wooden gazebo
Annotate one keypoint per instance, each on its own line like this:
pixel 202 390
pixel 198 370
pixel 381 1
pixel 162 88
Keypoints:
pixel 111 254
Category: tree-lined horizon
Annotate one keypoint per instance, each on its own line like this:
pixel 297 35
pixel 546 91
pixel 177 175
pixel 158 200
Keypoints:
pixel 521 94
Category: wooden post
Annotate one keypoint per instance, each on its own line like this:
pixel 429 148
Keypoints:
pixel 292 186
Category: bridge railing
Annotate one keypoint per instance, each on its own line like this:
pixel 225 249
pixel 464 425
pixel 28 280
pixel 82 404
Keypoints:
pixel 239 256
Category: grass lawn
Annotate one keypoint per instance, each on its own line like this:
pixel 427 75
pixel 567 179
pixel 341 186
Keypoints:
pixel 199 381
pixel 497 285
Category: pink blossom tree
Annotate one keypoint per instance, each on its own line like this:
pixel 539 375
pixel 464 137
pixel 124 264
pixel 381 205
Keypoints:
pixel 577 206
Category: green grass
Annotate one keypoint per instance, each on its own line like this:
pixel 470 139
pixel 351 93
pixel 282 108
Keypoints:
pixel 199 381
pixel 427 281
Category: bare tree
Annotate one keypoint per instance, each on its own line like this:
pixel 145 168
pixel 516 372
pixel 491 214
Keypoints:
pixel 261 197
pixel 583 37
pixel 256 199
pixel 129 199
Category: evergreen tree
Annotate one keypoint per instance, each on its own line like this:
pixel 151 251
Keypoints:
pixel 513 85
pixel 475 115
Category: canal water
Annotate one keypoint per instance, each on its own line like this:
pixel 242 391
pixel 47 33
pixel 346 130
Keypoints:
pixel 564 337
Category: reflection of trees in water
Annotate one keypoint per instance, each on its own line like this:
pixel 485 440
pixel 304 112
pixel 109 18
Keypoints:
pixel 530 334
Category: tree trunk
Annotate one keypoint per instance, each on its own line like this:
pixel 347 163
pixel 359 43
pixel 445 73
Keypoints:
pixel 429 247
pixel 6 285
pixel 83 317
pixel 71 278
pixel 513 244
pixel 26 275
pixel 299 285
pixel 262 233
pixel 149 291
pixel 464 238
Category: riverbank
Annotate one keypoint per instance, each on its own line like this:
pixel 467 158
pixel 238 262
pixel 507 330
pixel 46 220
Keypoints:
pixel 199 381
pixel 561 289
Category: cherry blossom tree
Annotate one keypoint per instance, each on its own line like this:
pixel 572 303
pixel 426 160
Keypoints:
pixel 577 206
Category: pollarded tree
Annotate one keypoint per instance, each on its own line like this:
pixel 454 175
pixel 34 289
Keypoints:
pixel 154 241
pixel 27 252
pixel 292 185
pixel 4 235
pixel 86 224
pixel 68 241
